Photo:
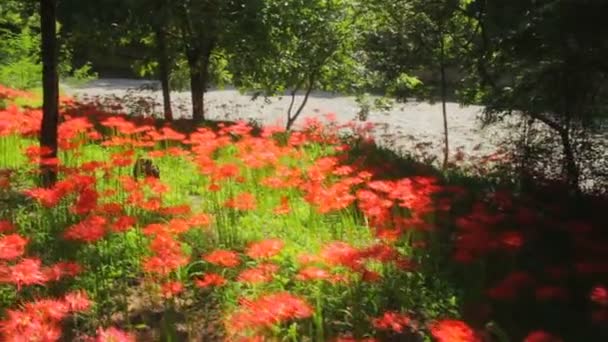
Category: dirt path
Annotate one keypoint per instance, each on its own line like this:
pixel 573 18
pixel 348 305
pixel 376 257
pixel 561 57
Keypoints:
pixel 406 124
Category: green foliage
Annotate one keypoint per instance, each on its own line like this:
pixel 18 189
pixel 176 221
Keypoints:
pixel 20 65
pixel 307 42
pixel 19 51
pixel 406 39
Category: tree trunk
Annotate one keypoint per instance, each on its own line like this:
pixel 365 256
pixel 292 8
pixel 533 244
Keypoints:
pixel 50 88
pixel 198 62
pixel 571 168
pixel 292 119
pixel 446 150
pixel 164 73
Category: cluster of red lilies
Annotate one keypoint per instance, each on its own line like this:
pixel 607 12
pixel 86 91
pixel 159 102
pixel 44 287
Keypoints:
pixel 397 211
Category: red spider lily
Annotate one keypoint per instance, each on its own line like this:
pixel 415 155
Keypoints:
pixel 172 288
pixel 541 336
pixel 511 240
pixel 48 198
pixel 62 269
pixel 87 202
pixel 6 226
pixel 214 187
pixel 12 246
pixel 113 334
pixel 155 228
pixel 35 152
pixel 370 276
pixel 92 166
pixel 599 316
pixel 178 226
pixel 260 274
pixel 175 210
pixel 551 292
pixel 244 201
pixel 39 321
pixel 199 220
pixel 313 273
pixel 265 248
pixel 168 255
pixel 453 331
pixel 123 223
pixel 25 272
pixel 268 310
pixel 210 280
pixel 305 259
pixel 591 267
pixel 223 258
pixel 156 186
pixel 91 229
pixel 152 204
pixel 599 295
pixel 225 171
pixel 110 209
pixel 283 208
pixel 343 254
pixel 391 320
pixel 333 198
pixel 510 286
pixel 77 301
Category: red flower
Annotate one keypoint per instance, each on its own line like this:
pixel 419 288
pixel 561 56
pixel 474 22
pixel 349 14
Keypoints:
pixel 168 255
pixel 541 336
pixel 114 335
pixel 77 301
pixel 172 288
pixel 283 208
pixel 370 276
pixel 453 331
pixel 269 310
pixel 265 249
pixel 512 240
pixel 223 258
pixel 46 197
pixel 244 201
pixel 210 279
pixel 391 320
pixel 260 274
pixel 6 226
pixel 62 269
pixel 26 272
pixel 550 292
pixel 341 253
pixel 123 223
pixel 87 202
pixel 599 295
pixel 313 273
pixel 12 246
pixel 89 230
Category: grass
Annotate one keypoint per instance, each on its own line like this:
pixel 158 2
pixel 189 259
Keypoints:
pixel 258 233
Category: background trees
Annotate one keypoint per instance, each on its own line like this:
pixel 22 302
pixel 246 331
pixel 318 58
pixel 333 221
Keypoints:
pixel 546 61
pixel 309 45
pixel 542 60
pixel 411 37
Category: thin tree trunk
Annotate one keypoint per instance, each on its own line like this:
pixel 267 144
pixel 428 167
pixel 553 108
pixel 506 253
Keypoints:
pixel 292 119
pixel 198 62
pixel 197 88
pixel 164 73
pixel 571 168
pixel 50 86
pixel 446 151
